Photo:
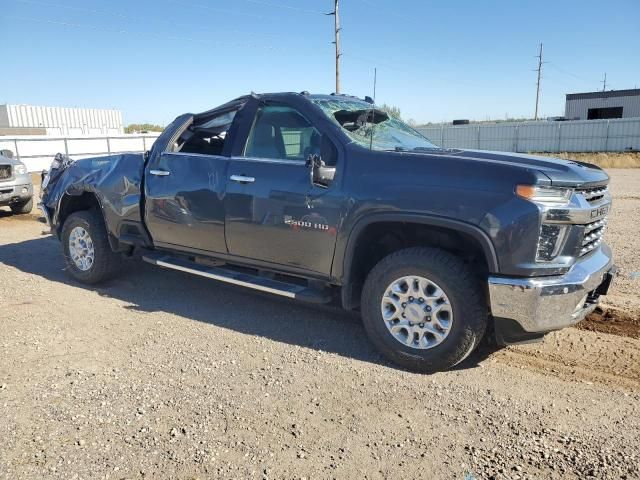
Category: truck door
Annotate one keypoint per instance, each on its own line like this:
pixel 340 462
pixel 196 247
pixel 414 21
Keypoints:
pixel 185 183
pixel 274 213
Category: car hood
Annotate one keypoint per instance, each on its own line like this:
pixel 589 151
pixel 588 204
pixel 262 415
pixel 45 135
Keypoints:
pixel 560 172
pixel 9 161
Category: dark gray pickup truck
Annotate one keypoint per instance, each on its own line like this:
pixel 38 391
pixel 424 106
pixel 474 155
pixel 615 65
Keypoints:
pixel 327 199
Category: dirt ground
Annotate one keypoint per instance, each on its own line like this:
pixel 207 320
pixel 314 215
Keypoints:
pixel 603 159
pixel 158 374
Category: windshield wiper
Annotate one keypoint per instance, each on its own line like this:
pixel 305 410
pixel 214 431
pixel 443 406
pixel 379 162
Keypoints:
pixel 425 149
pixel 397 148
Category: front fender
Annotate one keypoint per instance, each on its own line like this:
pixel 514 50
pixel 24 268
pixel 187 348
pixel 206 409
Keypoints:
pixel 347 243
pixel 114 181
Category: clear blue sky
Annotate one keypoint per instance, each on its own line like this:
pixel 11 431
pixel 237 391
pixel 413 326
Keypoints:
pixel 436 60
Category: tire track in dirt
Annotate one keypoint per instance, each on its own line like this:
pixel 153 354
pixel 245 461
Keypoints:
pixel 582 356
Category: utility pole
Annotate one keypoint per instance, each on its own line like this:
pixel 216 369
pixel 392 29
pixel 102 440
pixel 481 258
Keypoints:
pixel 336 15
pixel 538 82
pixel 604 82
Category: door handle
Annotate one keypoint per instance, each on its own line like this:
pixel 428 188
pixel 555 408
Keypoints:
pixel 159 173
pixel 242 179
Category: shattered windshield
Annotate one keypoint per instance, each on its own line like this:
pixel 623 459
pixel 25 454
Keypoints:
pixel 371 127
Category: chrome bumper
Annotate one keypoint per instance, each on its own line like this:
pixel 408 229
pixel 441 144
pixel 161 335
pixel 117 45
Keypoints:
pixel 12 192
pixel 543 304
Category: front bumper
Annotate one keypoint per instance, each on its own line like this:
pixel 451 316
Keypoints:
pixel 15 193
pixel 543 304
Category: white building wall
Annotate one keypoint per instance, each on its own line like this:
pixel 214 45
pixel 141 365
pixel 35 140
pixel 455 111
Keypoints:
pixel 63 121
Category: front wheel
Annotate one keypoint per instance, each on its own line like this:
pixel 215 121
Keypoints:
pixel 424 309
pixel 22 208
pixel 87 252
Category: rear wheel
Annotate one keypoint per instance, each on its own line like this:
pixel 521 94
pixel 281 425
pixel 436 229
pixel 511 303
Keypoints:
pixel 424 309
pixel 87 252
pixel 22 207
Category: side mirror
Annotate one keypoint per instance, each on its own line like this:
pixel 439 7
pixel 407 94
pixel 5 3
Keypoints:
pixel 322 168
pixel 6 153
pixel 320 173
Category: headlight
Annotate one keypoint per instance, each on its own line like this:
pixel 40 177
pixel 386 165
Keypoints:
pixel 546 196
pixel 20 169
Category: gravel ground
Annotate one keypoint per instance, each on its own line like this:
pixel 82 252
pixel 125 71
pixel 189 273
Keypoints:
pixel 624 237
pixel 158 374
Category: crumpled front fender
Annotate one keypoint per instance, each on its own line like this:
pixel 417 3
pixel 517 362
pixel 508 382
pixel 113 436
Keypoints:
pixel 114 180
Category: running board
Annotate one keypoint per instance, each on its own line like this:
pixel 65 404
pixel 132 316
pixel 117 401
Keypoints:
pixel 263 284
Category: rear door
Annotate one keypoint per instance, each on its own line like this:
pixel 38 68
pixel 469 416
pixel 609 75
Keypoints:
pixel 185 185
pixel 274 213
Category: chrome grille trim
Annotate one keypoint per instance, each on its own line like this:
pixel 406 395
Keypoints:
pixel 593 234
pixel 595 225
pixel 593 194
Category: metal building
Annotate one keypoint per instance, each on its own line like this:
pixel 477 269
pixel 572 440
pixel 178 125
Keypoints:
pixel 602 105
pixel 35 120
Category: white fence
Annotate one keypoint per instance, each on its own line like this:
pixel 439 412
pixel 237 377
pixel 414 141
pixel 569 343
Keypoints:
pixel 617 135
pixel 574 136
pixel 37 151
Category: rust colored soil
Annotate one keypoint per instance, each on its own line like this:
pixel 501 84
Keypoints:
pixel 612 321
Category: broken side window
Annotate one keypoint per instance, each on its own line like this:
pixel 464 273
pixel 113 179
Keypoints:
pixel 206 135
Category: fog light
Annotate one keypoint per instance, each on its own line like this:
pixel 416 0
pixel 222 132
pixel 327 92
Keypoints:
pixel 550 242
pixel 25 190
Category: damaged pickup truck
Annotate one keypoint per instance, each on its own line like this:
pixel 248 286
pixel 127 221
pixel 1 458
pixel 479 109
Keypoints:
pixel 327 199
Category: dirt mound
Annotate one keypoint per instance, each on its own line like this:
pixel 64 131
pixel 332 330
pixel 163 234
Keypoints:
pixel 612 321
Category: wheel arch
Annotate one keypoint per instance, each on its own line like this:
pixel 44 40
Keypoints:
pixel 74 202
pixel 450 228
pixel 83 200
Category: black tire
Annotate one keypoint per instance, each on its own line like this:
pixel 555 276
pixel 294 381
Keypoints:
pixel 22 207
pixel 461 286
pixel 105 262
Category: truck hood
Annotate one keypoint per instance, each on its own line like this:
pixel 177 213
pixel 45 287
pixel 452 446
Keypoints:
pixel 561 172
pixel 9 161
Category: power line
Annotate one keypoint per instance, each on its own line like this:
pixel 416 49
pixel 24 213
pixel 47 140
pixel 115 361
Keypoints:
pixel 143 19
pixel 282 5
pixel 136 32
pixel 562 70
pixel 140 19
pixel 393 12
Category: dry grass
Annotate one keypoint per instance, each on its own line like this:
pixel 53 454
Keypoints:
pixel 604 160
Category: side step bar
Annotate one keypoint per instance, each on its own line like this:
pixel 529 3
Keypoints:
pixel 263 284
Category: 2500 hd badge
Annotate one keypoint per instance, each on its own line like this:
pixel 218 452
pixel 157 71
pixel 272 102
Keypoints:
pixel 305 223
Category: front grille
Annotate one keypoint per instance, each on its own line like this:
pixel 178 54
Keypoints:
pixel 5 172
pixel 593 233
pixel 593 194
